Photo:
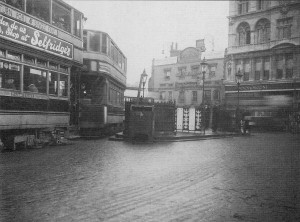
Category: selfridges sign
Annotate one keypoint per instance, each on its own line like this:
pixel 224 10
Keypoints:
pixel 24 34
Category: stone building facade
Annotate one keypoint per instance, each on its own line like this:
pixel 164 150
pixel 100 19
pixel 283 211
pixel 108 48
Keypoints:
pixel 264 44
pixel 179 77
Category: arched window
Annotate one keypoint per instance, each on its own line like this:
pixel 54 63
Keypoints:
pixel 243 31
pixel 263 29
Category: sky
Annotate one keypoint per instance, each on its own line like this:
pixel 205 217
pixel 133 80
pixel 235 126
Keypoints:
pixel 143 30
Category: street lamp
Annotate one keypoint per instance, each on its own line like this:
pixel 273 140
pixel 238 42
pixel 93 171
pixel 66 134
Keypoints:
pixel 204 66
pixel 238 79
pixel 144 77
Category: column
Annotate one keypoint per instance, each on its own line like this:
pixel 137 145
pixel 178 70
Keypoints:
pixel 252 68
pixel 262 68
pixel 272 67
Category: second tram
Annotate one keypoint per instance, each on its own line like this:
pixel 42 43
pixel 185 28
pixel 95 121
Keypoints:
pixel 102 85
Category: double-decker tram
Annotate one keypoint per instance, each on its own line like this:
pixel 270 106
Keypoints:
pixel 102 85
pixel 40 51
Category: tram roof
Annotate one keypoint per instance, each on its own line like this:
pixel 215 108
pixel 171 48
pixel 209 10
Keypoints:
pixel 92 30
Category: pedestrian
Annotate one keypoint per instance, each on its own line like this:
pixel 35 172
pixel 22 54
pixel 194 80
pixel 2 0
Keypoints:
pixel 247 127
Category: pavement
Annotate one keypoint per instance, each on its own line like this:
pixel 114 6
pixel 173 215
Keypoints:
pixel 181 136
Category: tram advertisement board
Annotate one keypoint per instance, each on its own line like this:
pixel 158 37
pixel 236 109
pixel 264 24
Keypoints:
pixel 24 34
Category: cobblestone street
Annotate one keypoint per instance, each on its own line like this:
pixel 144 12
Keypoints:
pixel 250 178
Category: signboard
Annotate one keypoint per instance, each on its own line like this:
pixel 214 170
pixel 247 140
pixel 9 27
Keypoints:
pixel 29 95
pixel 24 18
pixel 200 45
pixel 23 34
pixel 187 85
pixel 279 86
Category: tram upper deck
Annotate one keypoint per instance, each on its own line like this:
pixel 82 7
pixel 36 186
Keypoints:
pixel 40 48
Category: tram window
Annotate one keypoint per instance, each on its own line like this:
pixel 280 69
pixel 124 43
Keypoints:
pixel 19 4
pixel 104 44
pixel 53 83
pixel 29 59
pixel 9 75
pixel 41 62
pixel 77 24
pixel 84 42
pixel 63 68
pixel 39 9
pixel 2 53
pixel 119 59
pixel 53 65
pixel 94 42
pixel 63 85
pixel 35 80
pixel 14 56
pixel 61 16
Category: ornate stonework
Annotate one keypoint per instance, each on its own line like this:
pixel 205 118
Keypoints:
pixel 190 54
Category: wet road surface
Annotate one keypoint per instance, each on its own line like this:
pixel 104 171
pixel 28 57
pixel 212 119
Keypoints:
pixel 252 178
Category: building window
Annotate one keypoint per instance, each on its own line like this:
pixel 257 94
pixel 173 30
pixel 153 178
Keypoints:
pixel 238 65
pixel 77 24
pixel 61 16
pixel 181 71
pixel 170 95
pixel 258 68
pixel 263 31
pixel 181 97
pixel 262 4
pixel 39 9
pixel 243 31
pixel 289 66
pixel 19 4
pixel 195 70
pixel 216 95
pixel 9 75
pixel 162 95
pixel 246 70
pixel 284 27
pixel 243 6
pixel 279 74
pixel 104 44
pixel 207 96
pixel 279 68
pixel 212 71
pixel 167 73
pixel 94 41
pixel 266 74
pixel 194 96
pixel 35 80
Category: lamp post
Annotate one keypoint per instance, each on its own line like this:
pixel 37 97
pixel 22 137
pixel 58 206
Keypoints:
pixel 144 77
pixel 238 79
pixel 203 67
